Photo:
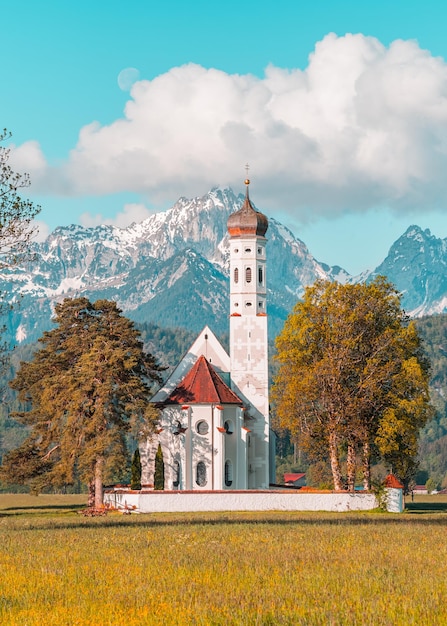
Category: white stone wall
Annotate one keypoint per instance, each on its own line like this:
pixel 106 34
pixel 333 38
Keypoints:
pixel 177 501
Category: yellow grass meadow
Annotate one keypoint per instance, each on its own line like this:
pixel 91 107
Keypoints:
pixel 57 567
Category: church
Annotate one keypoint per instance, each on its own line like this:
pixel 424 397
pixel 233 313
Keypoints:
pixel 214 426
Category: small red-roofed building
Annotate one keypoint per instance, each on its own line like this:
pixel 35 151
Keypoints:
pixel 391 482
pixel 214 426
pixel 420 490
pixel 295 479
pixel 395 491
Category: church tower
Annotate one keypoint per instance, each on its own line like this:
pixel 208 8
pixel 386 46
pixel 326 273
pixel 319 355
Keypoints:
pixel 248 333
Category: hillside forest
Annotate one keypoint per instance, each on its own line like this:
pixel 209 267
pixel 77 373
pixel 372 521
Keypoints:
pixel 169 344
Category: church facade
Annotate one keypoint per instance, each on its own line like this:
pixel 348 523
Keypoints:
pixel 214 427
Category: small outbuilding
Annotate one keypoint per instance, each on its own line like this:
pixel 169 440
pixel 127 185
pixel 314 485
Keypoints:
pixel 295 479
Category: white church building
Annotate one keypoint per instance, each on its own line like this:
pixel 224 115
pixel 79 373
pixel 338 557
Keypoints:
pixel 214 427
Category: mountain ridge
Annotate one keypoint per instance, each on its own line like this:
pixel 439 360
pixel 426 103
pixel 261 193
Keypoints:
pixel 172 269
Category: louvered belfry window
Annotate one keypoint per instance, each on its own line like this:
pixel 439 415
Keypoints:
pixel 236 275
pixel 228 473
pixel 248 274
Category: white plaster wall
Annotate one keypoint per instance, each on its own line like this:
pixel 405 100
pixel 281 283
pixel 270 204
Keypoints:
pixel 177 501
pixel 203 446
pixel 248 251
pixel 394 500
pixel 249 372
pixel 122 500
pixel 173 446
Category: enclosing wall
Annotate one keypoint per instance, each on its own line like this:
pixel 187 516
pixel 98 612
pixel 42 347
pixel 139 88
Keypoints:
pixel 180 501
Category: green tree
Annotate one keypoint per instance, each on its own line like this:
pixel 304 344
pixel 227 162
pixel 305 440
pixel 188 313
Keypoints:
pixel 135 470
pixel 159 477
pixel 431 485
pixel 87 387
pixel 353 379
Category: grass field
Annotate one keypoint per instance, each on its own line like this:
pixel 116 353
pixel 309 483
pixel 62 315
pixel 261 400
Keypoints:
pixel 57 567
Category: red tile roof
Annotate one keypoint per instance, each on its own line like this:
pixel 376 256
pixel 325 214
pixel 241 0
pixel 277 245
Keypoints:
pixel 392 482
pixel 202 385
pixel 291 478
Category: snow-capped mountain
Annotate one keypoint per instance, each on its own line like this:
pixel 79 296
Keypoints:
pixel 171 269
pixel 417 265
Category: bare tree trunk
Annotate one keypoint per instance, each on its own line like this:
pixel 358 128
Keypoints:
pixel 335 462
pixel 351 466
pixel 91 493
pixel 366 463
pixel 98 483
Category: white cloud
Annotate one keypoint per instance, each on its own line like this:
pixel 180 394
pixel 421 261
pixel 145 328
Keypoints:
pixel 28 157
pixel 131 213
pixel 363 125
pixel 42 231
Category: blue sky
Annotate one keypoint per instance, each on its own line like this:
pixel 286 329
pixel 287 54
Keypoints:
pixel 345 133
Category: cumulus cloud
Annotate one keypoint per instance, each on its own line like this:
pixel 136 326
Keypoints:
pixel 131 213
pixel 28 157
pixel 363 125
pixel 42 230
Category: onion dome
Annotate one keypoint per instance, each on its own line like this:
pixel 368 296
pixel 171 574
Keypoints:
pixel 247 221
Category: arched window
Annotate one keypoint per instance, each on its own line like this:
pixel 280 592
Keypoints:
pixel 228 427
pixel 201 474
pixel 228 473
pixel 260 275
pixel 236 275
pixel 177 474
pixel 248 274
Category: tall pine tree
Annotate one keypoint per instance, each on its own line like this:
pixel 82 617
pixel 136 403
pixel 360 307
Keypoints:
pixel 87 387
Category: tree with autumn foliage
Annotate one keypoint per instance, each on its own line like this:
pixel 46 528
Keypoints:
pixel 353 379
pixel 17 227
pixel 87 387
